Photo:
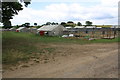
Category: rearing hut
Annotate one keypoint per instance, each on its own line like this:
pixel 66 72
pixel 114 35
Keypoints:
pixel 51 30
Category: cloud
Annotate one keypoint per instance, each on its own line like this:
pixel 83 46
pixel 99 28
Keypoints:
pixel 65 0
pixel 59 12
pixel 110 3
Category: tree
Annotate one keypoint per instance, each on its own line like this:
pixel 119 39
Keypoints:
pixel 16 26
pixel 79 24
pixel 48 23
pixel 35 24
pixel 7 24
pixel 27 25
pixel 56 23
pixel 53 23
pixel 10 9
pixel 63 24
pixel 70 22
pixel 88 23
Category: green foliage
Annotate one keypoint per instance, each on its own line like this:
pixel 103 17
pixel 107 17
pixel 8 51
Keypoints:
pixel 88 23
pixel 70 22
pixel 79 24
pixel 9 9
pixel 38 26
pixel 35 24
pixel 53 23
pixel 27 25
pixel 7 24
pixel 48 23
pixel 63 24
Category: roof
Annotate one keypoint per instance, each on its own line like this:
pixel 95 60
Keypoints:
pixel 68 27
pixel 115 26
pixel 79 27
pixel 65 29
pixel 32 28
pixel 99 27
pixel 90 26
pixel 20 28
pixel 48 27
pixel 12 29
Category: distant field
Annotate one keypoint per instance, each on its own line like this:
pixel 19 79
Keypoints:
pixel 107 26
pixel 21 46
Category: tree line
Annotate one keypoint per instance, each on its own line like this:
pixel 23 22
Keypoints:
pixel 10 9
pixel 69 23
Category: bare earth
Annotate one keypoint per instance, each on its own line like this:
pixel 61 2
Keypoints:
pixel 74 61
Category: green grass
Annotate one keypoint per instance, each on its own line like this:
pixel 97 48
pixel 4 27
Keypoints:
pixel 21 46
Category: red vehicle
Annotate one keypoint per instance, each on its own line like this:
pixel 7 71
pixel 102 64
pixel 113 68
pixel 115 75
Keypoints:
pixel 17 30
pixel 41 33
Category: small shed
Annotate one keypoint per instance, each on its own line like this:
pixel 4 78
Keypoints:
pixel 12 29
pixel 22 29
pixel 33 30
pixel 52 30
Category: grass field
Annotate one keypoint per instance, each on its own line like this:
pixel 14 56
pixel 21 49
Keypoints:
pixel 21 46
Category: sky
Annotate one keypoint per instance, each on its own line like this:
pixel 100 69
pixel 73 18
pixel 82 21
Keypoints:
pixel 100 12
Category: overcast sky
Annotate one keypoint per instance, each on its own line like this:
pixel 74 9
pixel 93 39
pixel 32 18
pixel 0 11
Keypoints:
pixel 42 11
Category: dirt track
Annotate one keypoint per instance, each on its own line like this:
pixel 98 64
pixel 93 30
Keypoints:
pixel 79 61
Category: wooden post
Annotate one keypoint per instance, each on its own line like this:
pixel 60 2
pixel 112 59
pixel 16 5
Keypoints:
pixel 114 31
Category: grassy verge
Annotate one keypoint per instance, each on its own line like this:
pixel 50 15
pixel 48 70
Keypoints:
pixel 21 46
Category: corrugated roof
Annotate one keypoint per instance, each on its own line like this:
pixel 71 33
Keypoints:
pixel 65 29
pixel 47 28
pixel 79 27
pixel 90 26
pixel 50 27
pixel 20 28
pixel 11 28
pixel 99 27
pixel 68 27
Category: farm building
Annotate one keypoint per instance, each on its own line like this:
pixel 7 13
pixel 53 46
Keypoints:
pixel 12 29
pixel 52 30
pixel 115 26
pixel 22 29
pixel 79 28
pixel 32 30
pixel 92 31
pixel 89 30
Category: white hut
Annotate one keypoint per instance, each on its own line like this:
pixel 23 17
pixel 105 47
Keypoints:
pixel 51 30
pixel 33 30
